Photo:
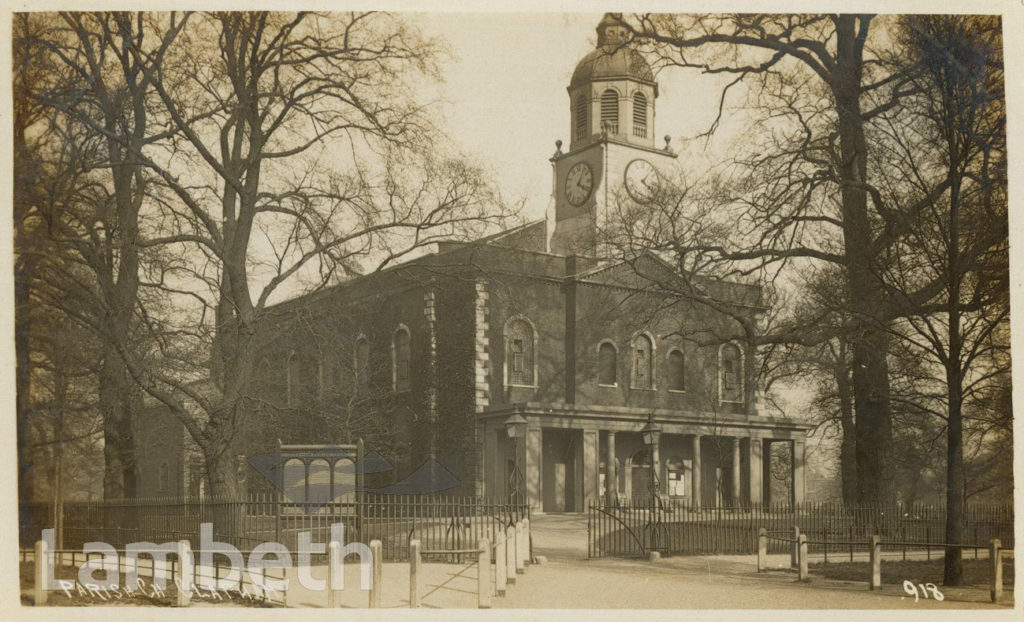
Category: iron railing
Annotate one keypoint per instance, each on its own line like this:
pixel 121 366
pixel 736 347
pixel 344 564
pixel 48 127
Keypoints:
pixel 681 528
pixel 439 522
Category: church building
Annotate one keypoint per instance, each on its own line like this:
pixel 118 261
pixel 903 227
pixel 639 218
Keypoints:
pixel 529 363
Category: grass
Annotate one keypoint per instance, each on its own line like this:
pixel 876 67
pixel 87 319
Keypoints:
pixel 977 572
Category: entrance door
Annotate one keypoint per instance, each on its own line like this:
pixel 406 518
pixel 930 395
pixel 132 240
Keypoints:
pixel 559 486
pixel 560 473
pixel 641 484
pixel 640 477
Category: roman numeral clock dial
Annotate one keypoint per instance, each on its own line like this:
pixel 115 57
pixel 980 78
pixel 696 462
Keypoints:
pixel 641 178
pixel 578 184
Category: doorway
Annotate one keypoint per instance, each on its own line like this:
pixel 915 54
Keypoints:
pixel 560 470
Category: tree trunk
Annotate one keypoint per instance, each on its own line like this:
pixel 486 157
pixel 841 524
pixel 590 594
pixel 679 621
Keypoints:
pixel 848 448
pixel 952 572
pixel 870 341
pixel 119 460
pixel 221 459
pixel 24 273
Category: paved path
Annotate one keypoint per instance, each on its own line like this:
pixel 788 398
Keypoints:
pixel 570 580
pixel 560 537
pixel 708 583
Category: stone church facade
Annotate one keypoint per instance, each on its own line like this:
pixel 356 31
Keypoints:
pixel 431 358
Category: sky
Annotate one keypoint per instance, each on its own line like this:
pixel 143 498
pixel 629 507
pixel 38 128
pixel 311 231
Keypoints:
pixel 505 100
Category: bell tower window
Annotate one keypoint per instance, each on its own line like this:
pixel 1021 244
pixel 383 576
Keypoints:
pixel 582 118
pixel 640 115
pixel 610 111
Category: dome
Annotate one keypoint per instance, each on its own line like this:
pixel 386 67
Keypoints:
pixel 610 63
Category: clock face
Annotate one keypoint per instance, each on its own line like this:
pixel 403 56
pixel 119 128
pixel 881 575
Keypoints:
pixel 641 177
pixel 578 184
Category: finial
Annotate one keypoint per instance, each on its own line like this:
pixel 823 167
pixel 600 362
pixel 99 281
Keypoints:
pixel 558 147
pixel 610 30
pixel 668 139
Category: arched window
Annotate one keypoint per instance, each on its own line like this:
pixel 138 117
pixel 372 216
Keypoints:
pixel 607 364
pixel 610 111
pixel 582 118
pixel 676 371
pixel 294 373
pixel 165 477
pixel 643 363
pixel 361 363
pixel 400 349
pixel 640 458
pixel 519 353
pixel 730 360
pixel 640 115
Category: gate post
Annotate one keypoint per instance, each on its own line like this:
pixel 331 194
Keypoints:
pixel 334 552
pixel 996 559
pixel 527 552
pixel 500 565
pixel 762 549
pixel 510 555
pixel 414 573
pixel 876 563
pixel 520 568
pixel 42 561
pixel 185 562
pixel 483 583
pixel 803 557
pixel 376 588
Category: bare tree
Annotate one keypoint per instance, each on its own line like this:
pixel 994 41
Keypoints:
pixel 294 152
pixel 952 137
pixel 811 187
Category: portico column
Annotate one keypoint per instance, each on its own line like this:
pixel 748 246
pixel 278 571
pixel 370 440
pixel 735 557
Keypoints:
pixel 766 471
pixel 611 476
pixel 799 451
pixel 591 468
pixel 696 471
pixel 754 466
pixel 735 497
pixel 532 459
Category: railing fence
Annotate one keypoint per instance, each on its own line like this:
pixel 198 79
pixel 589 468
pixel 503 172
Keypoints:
pixel 439 522
pixel 831 528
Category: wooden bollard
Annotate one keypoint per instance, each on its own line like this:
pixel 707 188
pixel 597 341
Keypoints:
pixel 415 560
pixel 762 549
pixel 794 553
pixel 876 563
pixel 185 562
pixel 483 582
pixel 500 565
pixel 510 555
pixel 802 562
pixel 527 549
pixel 996 557
pixel 376 588
pixel 334 552
pixel 42 561
pixel 520 565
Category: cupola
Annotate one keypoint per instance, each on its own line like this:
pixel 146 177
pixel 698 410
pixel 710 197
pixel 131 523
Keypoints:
pixel 612 90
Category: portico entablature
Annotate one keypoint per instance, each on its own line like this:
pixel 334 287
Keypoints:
pixel 625 419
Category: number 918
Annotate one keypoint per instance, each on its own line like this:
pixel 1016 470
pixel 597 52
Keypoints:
pixel 912 589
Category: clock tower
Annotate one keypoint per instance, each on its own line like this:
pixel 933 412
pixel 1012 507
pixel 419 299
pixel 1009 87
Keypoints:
pixel 611 156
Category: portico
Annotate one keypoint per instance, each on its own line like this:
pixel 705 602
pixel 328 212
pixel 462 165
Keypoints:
pixel 572 457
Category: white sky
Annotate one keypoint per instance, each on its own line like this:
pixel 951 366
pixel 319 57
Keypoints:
pixel 506 101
